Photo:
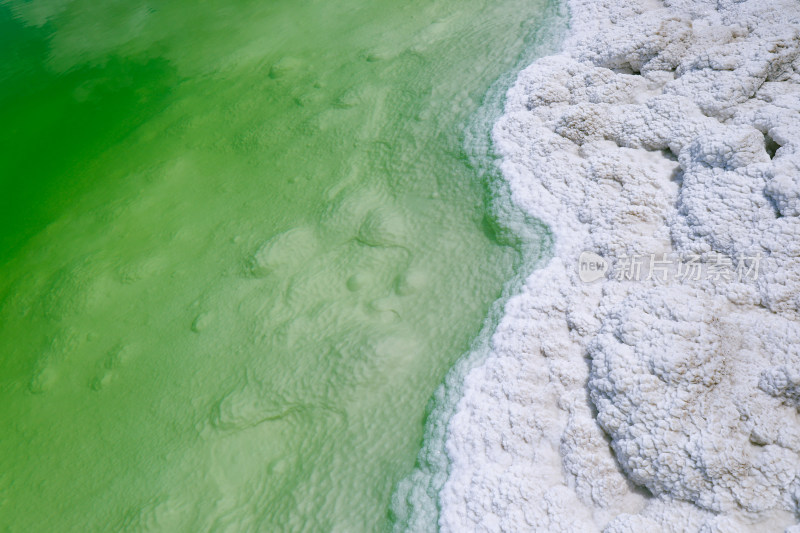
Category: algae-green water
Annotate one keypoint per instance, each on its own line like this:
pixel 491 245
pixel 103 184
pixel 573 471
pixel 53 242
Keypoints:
pixel 241 245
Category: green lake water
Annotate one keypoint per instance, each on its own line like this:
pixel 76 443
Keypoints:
pixel 242 243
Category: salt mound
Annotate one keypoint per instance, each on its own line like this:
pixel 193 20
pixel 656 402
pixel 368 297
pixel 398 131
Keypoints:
pixel 636 404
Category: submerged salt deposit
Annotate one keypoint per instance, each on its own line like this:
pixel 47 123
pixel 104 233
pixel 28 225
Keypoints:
pixel 634 404
pixel 240 247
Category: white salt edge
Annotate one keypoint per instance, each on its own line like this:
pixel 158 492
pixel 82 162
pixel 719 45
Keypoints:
pixel 655 130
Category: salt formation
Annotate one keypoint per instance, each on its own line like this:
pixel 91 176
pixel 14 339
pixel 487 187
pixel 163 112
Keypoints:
pixel 634 404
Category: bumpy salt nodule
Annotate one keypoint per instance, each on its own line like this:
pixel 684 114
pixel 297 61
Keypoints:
pixel 661 128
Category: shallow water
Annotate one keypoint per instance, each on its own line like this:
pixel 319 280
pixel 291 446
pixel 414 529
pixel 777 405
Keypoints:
pixel 242 244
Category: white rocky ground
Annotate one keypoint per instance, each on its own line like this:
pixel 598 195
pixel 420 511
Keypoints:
pixel 635 405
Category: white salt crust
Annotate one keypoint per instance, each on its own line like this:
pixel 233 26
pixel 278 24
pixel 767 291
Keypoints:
pixel 646 406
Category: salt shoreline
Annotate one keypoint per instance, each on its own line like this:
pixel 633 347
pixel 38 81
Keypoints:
pixel 660 128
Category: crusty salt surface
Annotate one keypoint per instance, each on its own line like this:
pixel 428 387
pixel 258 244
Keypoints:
pixel 663 127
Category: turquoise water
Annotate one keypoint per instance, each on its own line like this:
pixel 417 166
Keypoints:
pixel 243 242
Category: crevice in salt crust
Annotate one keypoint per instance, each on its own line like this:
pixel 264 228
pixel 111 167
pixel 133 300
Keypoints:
pixel 641 406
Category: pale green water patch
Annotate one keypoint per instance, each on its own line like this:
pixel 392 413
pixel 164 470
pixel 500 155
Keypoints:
pixel 255 251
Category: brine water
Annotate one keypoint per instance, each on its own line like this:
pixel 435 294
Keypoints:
pixel 241 244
